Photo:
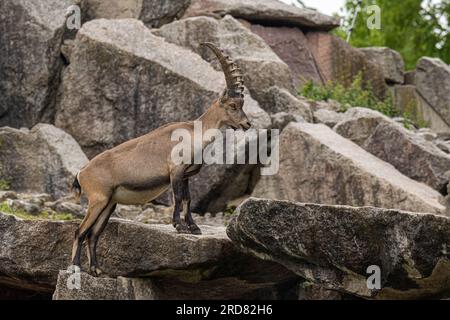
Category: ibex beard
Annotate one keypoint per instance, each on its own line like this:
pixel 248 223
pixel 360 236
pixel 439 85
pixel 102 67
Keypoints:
pixel 139 170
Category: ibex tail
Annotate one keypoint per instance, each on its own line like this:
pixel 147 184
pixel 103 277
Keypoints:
pixel 76 188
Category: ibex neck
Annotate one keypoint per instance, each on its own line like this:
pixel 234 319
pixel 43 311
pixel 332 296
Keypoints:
pixel 211 119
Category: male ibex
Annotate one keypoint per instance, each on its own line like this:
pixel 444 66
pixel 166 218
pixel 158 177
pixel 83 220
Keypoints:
pixel 139 170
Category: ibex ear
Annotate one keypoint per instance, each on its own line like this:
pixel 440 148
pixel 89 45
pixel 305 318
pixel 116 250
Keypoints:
pixel 223 97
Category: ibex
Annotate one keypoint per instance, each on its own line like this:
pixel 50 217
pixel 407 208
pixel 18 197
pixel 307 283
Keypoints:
pixel 139 170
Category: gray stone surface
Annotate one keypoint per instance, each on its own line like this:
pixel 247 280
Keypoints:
pixel 261 67
pixel 30 63
pixel 125 248
pixel 328 117
pixel 317 165
pixel 433 83
pixel 153 13
pixel 122 86
pixel 408 152
pixel 43 159
pixel 390 61
pixel 333 246
pixel 268 11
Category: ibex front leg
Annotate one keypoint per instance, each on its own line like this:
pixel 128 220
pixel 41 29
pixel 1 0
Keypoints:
pixel 193 228
pixel 177 182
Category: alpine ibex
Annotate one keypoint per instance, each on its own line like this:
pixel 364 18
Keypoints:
pixel 139 170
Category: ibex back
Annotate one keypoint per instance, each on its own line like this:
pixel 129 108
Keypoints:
pixel 140 169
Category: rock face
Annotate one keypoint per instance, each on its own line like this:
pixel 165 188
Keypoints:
pixel 339 62
pixel 272 283
pixel 317 165
pixel 281 100
pixel 43 159
pixel 334 246
pixel 269 11
pixel 390 61
pixel 433 83
pixel 328 117
pixel 122 86
pixel 412 155
pixel 207 263
pixel 262 68
pixel 30 63
pixel 358 124
pixel 291 45
pixel 407 100
pixel 153 13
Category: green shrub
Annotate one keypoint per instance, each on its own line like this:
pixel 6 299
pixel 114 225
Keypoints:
pixel 357 94
pixel 5 184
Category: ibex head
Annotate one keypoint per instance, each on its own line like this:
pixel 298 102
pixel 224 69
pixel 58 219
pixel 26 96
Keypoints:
pixel 232 98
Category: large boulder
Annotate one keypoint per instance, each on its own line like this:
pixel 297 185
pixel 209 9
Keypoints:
pixel 432 79
pixel 339 247
pixel 43 159
pixel 262 68
pixel 153 13
pixel 408 101
pixel 268 281
pixel 391 63
pixel 339 62
pixel 30 61
pixel 291 45
pixel 281 100
pixel 123 82
pixel 268 11
pixel 409 153
pixel 132 249
pixel 318 165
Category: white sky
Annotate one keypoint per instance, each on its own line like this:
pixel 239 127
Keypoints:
pixel 325 6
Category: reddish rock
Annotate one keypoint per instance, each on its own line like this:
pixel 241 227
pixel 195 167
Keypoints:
pixel 339 62
pixel 291 45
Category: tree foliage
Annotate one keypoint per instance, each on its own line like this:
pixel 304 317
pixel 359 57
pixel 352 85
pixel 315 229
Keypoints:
pixel 415 28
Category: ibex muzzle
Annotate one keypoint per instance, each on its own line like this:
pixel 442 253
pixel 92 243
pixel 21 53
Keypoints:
pixel 140 169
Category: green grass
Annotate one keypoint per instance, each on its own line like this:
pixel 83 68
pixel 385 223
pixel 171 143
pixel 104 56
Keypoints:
pixel 5 185
pixel 43 215
pixel 357 94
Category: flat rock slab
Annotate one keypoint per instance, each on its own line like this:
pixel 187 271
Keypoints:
pixel 318 165
pixel 267 11
pixel 409 153
pixel 82 286
pixel 154 13
pixel 334 245
pixel 33 252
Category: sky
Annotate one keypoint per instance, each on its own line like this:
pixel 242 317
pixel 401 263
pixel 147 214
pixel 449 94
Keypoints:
pixel 325 6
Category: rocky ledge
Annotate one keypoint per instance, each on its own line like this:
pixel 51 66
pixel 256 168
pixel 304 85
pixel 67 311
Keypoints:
pixel 333 246
pixel 34 252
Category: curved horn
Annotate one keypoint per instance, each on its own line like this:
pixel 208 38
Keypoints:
pixel 233 74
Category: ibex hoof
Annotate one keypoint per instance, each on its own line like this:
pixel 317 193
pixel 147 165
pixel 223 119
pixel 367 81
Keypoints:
pixel 95 271
pixel 182 228
pixel 194 229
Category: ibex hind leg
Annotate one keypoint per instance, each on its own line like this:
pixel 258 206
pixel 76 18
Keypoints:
pixel 95 208
pixel 93 236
